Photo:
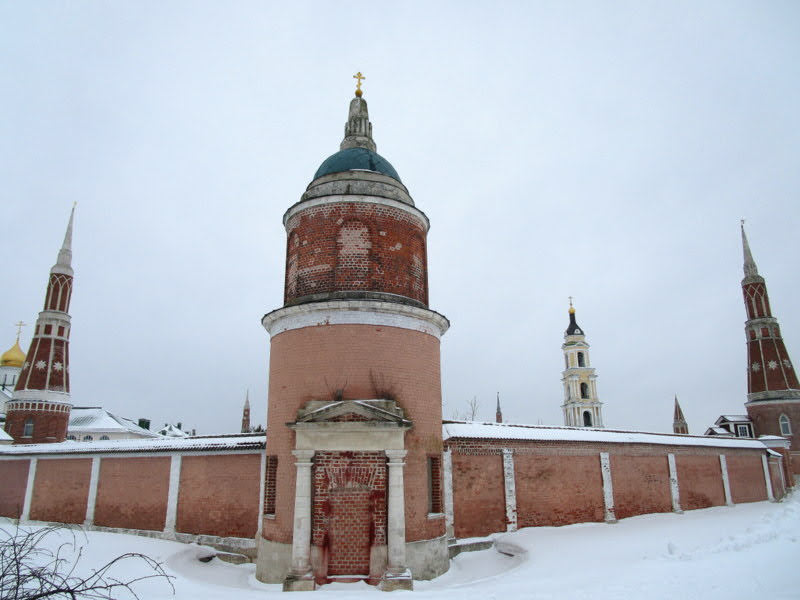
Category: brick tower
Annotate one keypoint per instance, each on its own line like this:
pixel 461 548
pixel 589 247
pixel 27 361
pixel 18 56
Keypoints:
pixel 39 408
pixel 353 469
pixel 581 407
pixel 773 393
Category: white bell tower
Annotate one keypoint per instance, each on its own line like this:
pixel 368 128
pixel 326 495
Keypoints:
pixel 581 406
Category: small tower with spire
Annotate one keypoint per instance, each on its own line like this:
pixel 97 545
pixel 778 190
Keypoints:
pixel 39 409
pixel 246 413
pixel 773 392
pixel 581 406
pixel 498 415
pixel 679 424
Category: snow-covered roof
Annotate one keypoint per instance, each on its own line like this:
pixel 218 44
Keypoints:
pixel 734 418
pixel 220 443
pixel 4 437
pixel 86 419
pixel 170 430
pixel 718 431
pixel 504 431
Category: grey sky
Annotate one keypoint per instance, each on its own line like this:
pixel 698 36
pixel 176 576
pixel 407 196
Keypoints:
pixel 601 150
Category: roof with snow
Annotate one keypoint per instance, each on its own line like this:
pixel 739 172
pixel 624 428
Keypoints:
pixel 170 430
pixel 733 419
pixel 85 419
pixel 4 437
pixel 504 431
pixel 217 443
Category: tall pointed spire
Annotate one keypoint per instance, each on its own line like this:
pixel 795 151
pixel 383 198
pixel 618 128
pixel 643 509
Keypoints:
pixel 246 413
pixel 750 268
pixel 358 129
pixel 498 415
pixel 679 424
pixel 64 262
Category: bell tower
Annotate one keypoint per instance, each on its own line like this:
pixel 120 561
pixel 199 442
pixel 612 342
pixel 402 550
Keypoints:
pixel 581 407
pixel 39 409
pixel 354 440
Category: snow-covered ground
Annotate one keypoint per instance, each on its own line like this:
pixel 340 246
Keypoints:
pixel 748 551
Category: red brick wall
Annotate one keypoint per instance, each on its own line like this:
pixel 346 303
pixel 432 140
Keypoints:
pixel 365 361
pixel 746 476
pixel 132 493
pixel 641 485
pixel 699 481
pixel 558 490
pixel 61 490
pixel 765 417
pixel 219 495
pixel 48 426
pixel 479 504
pixel 355 246
pixel 14 478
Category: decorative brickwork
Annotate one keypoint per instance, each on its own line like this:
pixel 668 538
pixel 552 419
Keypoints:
pixel 435 484
pixel 355 247
pixel 270 485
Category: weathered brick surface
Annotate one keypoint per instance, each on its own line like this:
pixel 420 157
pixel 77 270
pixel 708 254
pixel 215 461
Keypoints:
pixel 478 495
pixel 641 485
pixel 778 489
pixel 48 426
pixel 61 490
pixel 746 475
pixel 356 246
pixel 13 480
pixel 765 417
pixel 558 490
pixel 219 495
pixel 699 481
pixel 132 492
pixel 364 361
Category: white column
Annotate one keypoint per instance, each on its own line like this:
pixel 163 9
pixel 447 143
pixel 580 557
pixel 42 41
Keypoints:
pixel 396 533
pixel 261 492
pixel 510 489
pixel 726 485
pixel 447 468
pixel 673 484
pixel 767 478
pixel 172 495
pixel 26 506
pixel 92 500
pixel 608 489
pixel 301 537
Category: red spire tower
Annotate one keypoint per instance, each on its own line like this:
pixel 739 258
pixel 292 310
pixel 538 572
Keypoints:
pixel 39 409
pixel 773 392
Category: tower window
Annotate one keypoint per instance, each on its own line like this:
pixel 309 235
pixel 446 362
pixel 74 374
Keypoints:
pixel 786 427
pixel 27 429
pixel 584 390
pixel 87 438
pixel 103 437
pixel 434 484
pixel 581 360
pixel 587 418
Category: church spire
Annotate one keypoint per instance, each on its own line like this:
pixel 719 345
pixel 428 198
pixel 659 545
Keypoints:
pixel 498 415
pixel 750 268
pixel 246 413
pixel 64 261
pixel 358 129
pixel 679 424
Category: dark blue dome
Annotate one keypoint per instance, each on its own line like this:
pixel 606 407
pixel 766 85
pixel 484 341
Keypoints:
pixel 356 159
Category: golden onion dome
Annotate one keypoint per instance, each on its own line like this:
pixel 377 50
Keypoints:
pixel 13 357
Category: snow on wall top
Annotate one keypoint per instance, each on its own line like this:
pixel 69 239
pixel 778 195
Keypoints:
pixel 504 431
pixel 160 444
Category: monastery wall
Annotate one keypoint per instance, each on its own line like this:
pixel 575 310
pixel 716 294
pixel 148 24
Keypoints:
pixel 497 485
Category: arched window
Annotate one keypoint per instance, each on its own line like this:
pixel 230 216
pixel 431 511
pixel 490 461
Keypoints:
pixel 27 429
pixel 584 390
pixel 87 438
pixel 786 427
pixel 581 360
pixel 104 437
pixel 72 438
pixel 587 418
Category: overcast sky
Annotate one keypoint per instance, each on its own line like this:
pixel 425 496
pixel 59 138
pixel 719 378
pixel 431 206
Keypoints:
pixel 601 150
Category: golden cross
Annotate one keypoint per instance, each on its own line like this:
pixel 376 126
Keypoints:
pixel 359 77
pixel 19 327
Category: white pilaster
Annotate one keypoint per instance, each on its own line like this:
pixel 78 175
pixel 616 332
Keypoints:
pixel 510 489
pixel 172 495
pixel 767 478
pixel 673 484
pixel 301 538
pixel 396 532
pixel 608 489
pixel 447 467
pixel 26 505
pixel 726 484
pixel 92 500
